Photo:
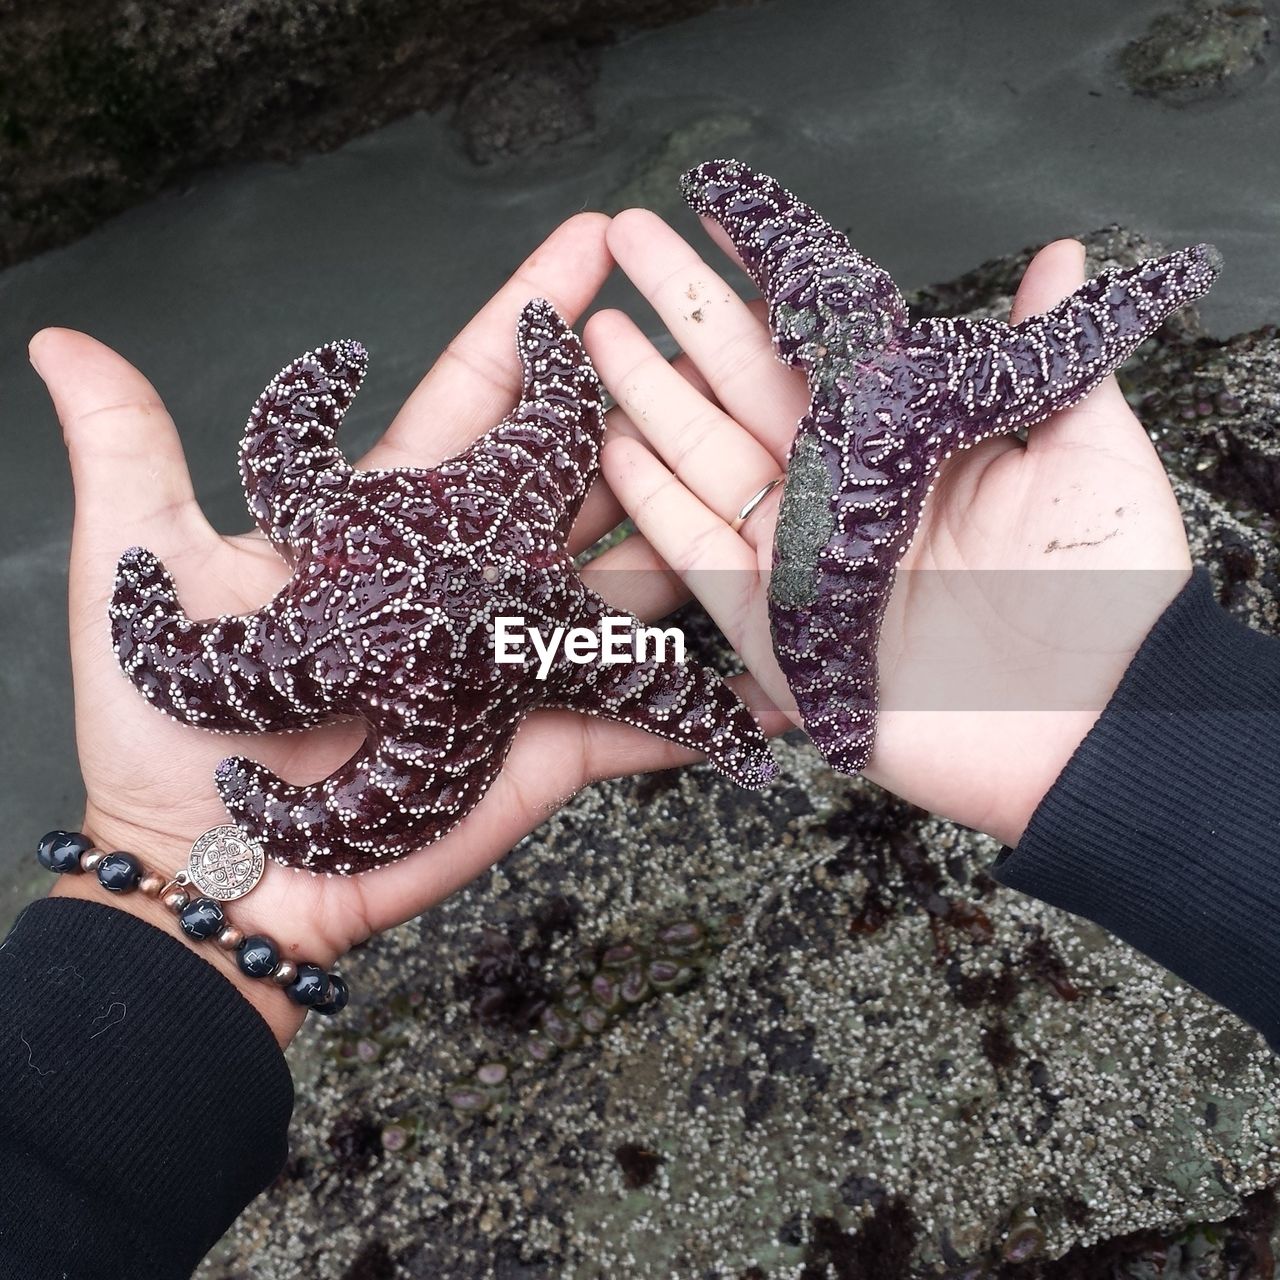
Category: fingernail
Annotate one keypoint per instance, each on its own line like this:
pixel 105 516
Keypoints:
pixel 31 353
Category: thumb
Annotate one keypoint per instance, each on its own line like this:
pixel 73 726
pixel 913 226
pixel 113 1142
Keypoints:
pixel 1056 272
pixel 130 475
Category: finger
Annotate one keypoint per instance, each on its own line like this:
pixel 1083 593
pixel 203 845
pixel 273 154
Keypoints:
pixel 1056 272
pixel 718 331
pixel 685 532
pixel 477 378
pixel 617 425
pixel 720 238
pixel 718 566
pixel 690 372
pixel 602 512
pixel 715 563
pixel 634 577
pixel 756 528
pixel 715 458
pixel 130 475
pixel 616 422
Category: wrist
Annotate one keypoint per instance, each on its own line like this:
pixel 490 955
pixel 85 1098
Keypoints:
pixel 161 859
pixel 280 1014
pixel 1049 741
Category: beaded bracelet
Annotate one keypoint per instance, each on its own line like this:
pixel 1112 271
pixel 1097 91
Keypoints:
pixel 308 985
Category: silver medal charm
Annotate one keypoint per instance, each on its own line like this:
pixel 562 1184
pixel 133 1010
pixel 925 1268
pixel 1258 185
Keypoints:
pixel 224 864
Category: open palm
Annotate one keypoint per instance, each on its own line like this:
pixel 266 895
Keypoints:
pixel 149 780
pixel 1007 628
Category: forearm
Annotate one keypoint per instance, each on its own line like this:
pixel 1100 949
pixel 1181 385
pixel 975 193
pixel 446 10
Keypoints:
pixel 1164 827
pixel 143 1101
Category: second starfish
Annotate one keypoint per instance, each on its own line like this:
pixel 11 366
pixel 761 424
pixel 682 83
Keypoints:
pixel 891 401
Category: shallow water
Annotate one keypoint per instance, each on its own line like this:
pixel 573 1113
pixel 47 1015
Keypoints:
pixel 939 135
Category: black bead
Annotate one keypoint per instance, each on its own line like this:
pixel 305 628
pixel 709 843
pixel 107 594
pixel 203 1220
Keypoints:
pixel 257 956
pixel 339 994
pixel 310 987
pixel 60 850
pixel 119 872
pixel 202 918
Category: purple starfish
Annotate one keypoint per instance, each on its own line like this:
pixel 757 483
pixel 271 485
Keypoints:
pixel 389 615
pixel 890 402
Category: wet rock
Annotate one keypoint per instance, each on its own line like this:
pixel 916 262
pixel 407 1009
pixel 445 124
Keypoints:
pixel 374 1262
pixel 104 104
pixel 355 1143
pixel 542 97
pixel 1197 49
pixel 1212 409
pixel 895 1085
pixel 880 1248
pixel 639 1165
pixel 656 181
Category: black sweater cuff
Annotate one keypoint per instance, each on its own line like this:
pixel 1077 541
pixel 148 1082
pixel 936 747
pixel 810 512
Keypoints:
pixel 143 1101
pixel 1164 826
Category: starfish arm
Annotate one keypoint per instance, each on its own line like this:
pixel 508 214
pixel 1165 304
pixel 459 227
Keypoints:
pixel 829 656
pixel 843 524
pixel 289 462
pixel 418 773
pixel 821 292
pixel 683 702
pixel 221 674
pixel 994 378
pixel 546 451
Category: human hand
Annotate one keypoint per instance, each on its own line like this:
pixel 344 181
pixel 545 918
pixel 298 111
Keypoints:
pixel 149 780
pixel 1029 657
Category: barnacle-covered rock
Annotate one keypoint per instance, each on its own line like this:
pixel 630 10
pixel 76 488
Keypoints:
pixel 1212 409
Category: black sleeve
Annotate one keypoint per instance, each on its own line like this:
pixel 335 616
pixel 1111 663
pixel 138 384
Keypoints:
pixel 1164 826
pixel 143 1101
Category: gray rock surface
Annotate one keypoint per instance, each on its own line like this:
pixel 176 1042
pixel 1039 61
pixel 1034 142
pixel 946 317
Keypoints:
pixel 879 1064
pixel 542 96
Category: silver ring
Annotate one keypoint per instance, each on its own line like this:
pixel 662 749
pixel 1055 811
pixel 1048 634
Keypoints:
pixel 753 502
